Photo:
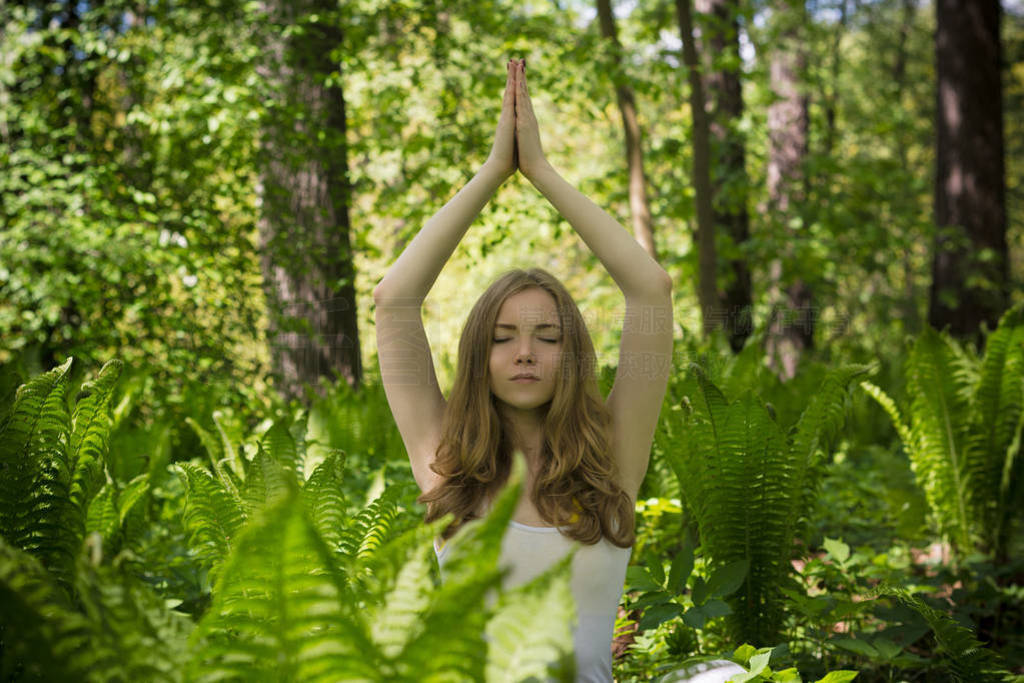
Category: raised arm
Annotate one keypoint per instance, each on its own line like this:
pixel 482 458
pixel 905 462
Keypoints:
pixel 645 351
pixel 406 364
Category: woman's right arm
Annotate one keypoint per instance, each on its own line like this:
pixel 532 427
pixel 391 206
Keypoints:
pixel 406 364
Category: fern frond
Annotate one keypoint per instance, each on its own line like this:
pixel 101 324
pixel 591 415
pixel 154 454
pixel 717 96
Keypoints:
pixel 531 630
pixel 102 515
pixel 90 434
pixel 280 445
pixel 212 516
pixel 451 644
pixel 939 428
pixel 741 484
pixel 371 526
pixel 889 406
pixel 266 482
pixel 36 511
pixel 968 659
pixel 278 611
pixel 813 437
pixel 135 637
pixel 399 618
pixel 998 408
pixel 228 447
pixel 228 480
pixel 42 632
pixel 325 500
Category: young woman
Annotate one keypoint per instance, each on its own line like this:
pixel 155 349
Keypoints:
pixel 526 382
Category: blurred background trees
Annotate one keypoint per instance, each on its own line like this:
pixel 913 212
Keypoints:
pixel 213 189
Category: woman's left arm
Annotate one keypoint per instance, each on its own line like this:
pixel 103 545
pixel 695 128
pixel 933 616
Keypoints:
pixel 645 351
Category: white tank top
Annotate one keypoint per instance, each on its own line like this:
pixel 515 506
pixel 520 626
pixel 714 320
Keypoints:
pixel 598 575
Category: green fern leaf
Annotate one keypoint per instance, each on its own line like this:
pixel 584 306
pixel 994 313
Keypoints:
pixel 134 636
pixel 279 611
pixel 939 427
pixel 102 516
pixel 133 493
pixel 969 661
pixel 450 644
pixel 229 448
pixel 229 481
pixel 399 618
pixel 531 632
pixel 280 445
pixel 212 517
pixel 266 482
pixel 325 500
pixel 371 526
pixel 90 434
pixel 36 511
pixel 42 633
pixel 889 406
pixel 998 408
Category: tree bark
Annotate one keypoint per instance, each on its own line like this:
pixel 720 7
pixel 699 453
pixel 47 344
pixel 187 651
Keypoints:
pixel 911 318
pixel 721 38
pixel 791 325
pixel 970 278
pixel 306 254
pixel 707 286
pixel 639 206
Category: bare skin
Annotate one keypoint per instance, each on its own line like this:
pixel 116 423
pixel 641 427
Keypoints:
pixel 645 350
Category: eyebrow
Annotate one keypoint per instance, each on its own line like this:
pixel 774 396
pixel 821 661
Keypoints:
pixel 543 326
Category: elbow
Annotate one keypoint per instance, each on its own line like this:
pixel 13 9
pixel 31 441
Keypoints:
pixel 660 285
pixel 664 282
pixel 382 294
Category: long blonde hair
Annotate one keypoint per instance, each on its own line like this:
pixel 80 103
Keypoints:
pixel 577 485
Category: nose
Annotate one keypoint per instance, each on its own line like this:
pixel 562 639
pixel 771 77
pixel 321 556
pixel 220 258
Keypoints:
pixel 524 353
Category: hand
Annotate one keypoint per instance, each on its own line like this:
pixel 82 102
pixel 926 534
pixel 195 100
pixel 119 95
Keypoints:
pixel 530 154
pixel 503 153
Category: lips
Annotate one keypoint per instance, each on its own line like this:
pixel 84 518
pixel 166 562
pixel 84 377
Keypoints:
pixel 520 378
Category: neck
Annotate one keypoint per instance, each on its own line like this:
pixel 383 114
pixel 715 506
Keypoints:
pixel 526 432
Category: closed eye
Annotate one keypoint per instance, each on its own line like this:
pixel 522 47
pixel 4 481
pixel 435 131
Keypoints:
pixel 549 341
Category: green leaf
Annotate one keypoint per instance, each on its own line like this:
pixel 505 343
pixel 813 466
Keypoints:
pixel 838 550
pixel 727 579
pixel 838 676
pixel 860 647
pixel 682 566
pixel 659 614
pixel 639 579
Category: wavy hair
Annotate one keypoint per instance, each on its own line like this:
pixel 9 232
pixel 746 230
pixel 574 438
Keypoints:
pixel 577 485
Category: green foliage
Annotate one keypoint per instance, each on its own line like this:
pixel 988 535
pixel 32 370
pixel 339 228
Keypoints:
pixel 968 659
pixel 966 418
pixel 749 485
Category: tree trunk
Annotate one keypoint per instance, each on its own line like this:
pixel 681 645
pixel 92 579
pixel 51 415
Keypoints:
pixel 728 164
pixel 638 205
pixel 911 318
pixel 970 278
pixel 791 325
pixel 707 286
pixel 306 255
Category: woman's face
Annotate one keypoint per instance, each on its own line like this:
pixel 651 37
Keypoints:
pixel 527 350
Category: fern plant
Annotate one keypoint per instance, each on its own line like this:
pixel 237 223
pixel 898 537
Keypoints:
pixel 53 464
pixel 968 660
pixel 289 606
pixel 749 486
pixel 67 614
pixel 963 432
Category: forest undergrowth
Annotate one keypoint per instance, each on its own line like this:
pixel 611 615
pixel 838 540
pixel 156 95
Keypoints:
pixel 860 521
